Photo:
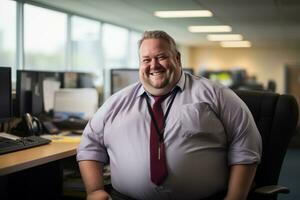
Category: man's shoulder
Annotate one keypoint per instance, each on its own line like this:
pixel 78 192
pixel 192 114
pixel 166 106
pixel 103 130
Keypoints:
pixel 203 83
pixel 116 100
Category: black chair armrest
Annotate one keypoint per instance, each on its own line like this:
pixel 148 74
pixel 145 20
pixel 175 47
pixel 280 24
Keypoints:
pixel 271 190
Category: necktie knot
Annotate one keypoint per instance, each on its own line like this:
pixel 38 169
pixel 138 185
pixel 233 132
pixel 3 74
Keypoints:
pixel 159 99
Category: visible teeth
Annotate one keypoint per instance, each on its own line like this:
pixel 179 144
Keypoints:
pixel 155 73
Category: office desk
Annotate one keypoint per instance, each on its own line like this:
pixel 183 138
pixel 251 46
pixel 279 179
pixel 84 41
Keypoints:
pixel 28 158
pixel 35 173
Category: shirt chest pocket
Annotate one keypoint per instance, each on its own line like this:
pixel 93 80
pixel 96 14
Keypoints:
pixel 199 119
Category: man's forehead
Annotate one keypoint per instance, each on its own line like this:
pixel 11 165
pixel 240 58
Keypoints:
pixel 158 45
pixel 159 53
pixel 154 41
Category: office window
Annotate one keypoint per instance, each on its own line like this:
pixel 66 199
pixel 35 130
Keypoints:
pixel 86 46
pixel 7 33
pixel 133 44
pixel 115 46
pixel 44 38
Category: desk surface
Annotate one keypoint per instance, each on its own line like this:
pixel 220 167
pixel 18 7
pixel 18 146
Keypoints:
pixel 24 159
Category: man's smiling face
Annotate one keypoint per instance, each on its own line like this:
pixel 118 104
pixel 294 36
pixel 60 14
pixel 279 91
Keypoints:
pixel 160 68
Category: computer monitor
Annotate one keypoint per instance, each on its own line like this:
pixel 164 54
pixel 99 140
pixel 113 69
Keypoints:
pixel 239 77
pixel 122 77
pixel 5 94
pixel 69 103
pixel 30 90
pixel 77 80
pixel 69 80
pixel 223 76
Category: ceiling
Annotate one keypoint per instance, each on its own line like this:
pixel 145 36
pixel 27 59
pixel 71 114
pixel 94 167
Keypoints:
pixel 265 23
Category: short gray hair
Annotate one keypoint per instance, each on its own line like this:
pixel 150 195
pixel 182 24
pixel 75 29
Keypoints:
pixel 157 34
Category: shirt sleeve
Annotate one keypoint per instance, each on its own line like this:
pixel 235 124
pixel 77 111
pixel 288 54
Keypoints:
pixel 92 146
pixel 244 139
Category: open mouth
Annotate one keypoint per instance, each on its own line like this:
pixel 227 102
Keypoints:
pixel 156 73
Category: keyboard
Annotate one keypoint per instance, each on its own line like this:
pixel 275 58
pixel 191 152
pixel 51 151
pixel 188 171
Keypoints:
pixel 10 145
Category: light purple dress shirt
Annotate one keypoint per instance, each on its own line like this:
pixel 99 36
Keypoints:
pixel 208 129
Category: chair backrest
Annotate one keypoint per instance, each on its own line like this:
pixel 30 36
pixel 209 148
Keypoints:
pixel 276 117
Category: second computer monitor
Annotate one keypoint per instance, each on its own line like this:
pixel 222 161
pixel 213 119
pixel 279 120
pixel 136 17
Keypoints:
pixel 5 94
pixel 120 78
pixel 30 90
pixel 77 80
pixel 35 89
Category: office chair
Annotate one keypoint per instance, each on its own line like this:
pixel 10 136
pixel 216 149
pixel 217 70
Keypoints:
pixel 276 117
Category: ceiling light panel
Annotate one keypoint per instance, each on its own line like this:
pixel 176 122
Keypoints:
pixel 236 44
pixel 209 29
pixel 224 37
pixel 183 13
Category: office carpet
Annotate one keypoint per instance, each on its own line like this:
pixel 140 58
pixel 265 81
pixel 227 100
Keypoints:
pixel 290 174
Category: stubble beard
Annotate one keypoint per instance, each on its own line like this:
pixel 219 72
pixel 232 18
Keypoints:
pixel 152 88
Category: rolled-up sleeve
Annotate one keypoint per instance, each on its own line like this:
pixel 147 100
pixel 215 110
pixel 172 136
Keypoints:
pixel 92 146
pixel 244 139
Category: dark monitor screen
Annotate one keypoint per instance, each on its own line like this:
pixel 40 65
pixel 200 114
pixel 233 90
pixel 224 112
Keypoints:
pixel 77 80
pixel 69 80
pixel 30 90
pixel 86 80
pixel 5 94
pixel 122 77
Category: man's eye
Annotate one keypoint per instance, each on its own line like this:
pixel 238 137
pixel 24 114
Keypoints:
pixel 162 57
pixel 146 60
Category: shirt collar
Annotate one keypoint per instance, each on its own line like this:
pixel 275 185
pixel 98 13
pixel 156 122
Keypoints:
pixel 180 84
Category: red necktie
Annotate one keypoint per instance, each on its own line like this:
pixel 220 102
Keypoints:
pixel 158 164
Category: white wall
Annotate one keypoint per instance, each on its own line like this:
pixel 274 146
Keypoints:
pixel 265 64
pixel 185 52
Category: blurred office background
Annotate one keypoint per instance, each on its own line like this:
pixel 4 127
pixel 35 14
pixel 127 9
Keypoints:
pixel 95 36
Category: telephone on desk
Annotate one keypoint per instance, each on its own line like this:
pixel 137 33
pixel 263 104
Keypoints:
pixel 71 123
pixel 31 125
pixel 28 126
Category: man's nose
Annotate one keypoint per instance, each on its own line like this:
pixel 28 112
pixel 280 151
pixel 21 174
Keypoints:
pixel 154 63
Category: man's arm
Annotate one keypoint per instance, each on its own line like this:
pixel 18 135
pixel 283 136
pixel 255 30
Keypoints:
pixel 240 181
pixel 92 175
